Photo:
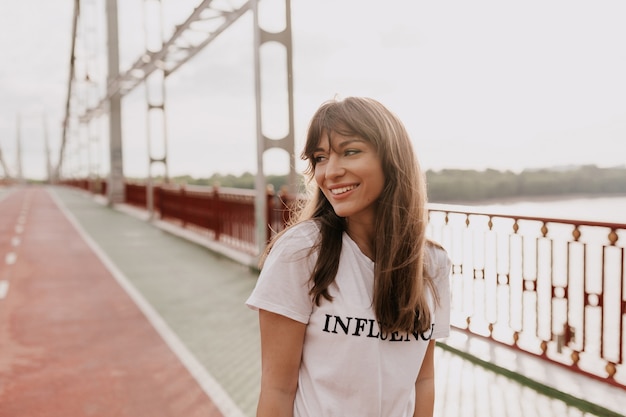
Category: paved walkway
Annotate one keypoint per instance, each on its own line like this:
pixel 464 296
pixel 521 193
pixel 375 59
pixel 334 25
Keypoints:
pixel 105 314
pixel 73 342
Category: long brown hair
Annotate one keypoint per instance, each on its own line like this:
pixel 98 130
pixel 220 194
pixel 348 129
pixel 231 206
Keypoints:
pixel 400 302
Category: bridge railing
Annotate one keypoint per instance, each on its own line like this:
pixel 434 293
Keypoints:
pixel 93 185
pixel 554 288
pixel 224 214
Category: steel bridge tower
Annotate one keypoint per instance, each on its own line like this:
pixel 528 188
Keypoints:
pixel 160 59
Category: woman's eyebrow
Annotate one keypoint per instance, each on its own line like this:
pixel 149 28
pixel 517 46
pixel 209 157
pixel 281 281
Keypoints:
pixel 349 141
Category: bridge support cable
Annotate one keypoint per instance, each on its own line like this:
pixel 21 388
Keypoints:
pixel 70 85
pixel 18 153
pixel 264 143
pixel 89 77
pixel 46 147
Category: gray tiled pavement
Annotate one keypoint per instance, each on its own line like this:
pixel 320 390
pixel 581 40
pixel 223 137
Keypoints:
pixel 200 295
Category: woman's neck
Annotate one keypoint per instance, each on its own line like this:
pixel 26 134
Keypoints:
pixel 363 235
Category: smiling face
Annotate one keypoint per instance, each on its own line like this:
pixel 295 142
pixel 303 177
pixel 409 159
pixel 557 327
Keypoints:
pixel 349 173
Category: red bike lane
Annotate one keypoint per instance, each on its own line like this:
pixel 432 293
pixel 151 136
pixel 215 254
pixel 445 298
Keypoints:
pixel 72 342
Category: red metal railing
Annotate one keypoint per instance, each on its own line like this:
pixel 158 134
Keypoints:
pixel 96 186
pixel 551 287
pixel 554 288
pixel 226 215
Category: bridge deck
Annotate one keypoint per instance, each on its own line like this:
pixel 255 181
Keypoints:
pixel 102 313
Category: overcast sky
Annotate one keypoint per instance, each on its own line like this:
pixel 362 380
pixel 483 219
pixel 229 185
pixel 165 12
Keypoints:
pixel 479 84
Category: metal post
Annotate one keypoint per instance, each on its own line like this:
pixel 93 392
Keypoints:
pixel 263 142
pixel 260 203
pixel 115 189
pixel 156 129
pixel 289 143
pixel 18 153
pixel 46 144
pixel 5 169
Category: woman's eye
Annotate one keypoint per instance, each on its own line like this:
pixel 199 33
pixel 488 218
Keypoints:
pixel 349 152
pixel 319 158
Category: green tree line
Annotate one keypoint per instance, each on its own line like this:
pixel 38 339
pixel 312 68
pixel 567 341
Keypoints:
pixel 246 180
pixel 450 185
pixel 467 185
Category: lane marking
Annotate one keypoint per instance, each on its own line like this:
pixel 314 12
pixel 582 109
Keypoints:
pixel 10 258
pixel 216 393
pixel 15 241
pixel 19 228
pixel 4 288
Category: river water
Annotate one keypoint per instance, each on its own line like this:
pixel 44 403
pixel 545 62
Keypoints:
pixel 603 209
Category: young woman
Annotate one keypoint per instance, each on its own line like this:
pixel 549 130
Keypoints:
pixel 352 295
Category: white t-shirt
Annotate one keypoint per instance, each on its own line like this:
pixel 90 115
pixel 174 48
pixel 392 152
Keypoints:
pixel 348 367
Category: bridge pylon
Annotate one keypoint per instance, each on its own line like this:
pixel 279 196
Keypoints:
pixel 159 60
pixel 264 143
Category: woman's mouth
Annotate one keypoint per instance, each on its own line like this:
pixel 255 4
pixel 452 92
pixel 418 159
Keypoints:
pixel 341 190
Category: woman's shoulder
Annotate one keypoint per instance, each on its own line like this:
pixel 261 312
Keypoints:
pixel 307 230
pixel 436 258
pixel 302 235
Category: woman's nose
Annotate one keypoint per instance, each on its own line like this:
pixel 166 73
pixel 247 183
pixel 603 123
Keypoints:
pixel 334 166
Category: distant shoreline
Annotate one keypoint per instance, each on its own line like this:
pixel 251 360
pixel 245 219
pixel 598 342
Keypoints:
pixel 530 199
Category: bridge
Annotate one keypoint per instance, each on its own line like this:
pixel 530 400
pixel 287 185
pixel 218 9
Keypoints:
pixel 113 311
pixel 125 298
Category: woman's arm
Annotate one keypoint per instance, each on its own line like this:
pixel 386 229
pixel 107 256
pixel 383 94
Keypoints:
pixel 425 384
pixel 281 352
